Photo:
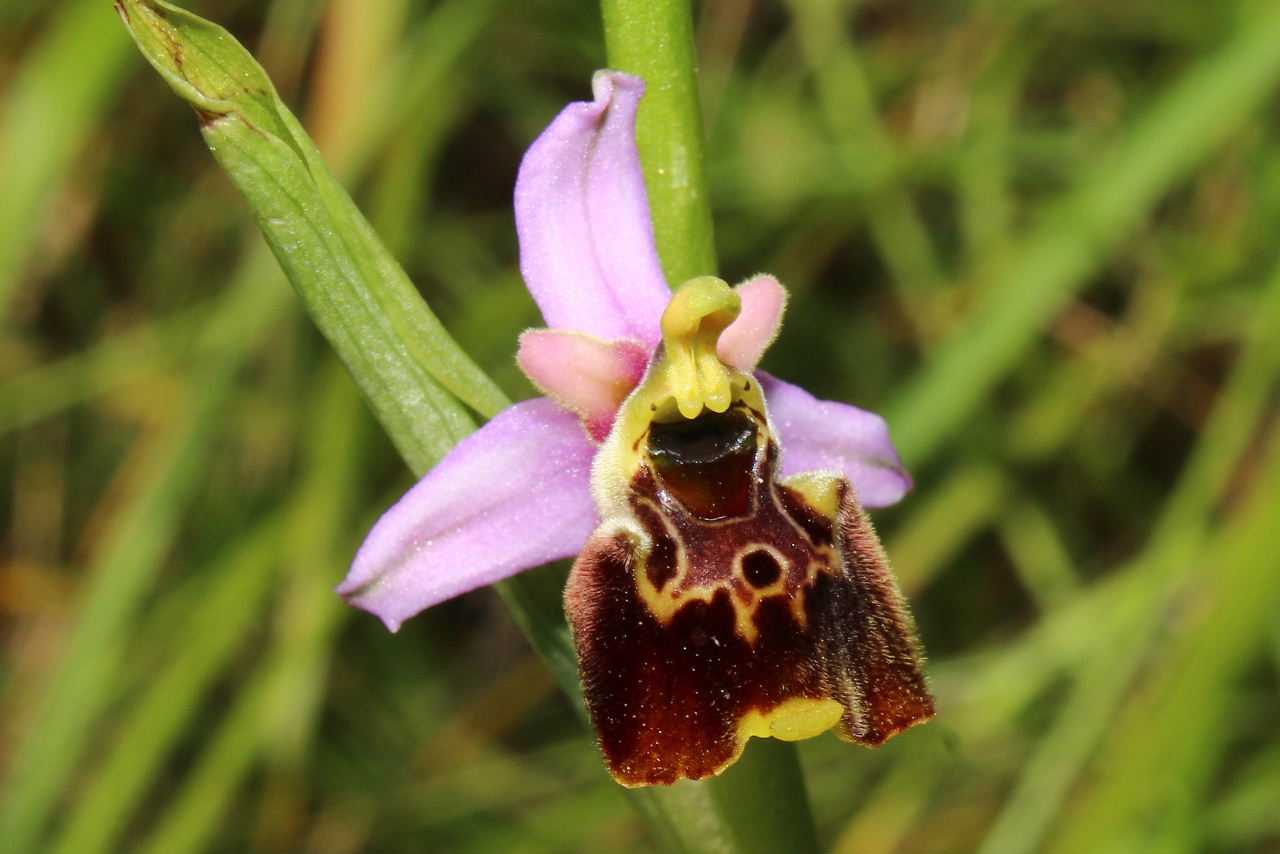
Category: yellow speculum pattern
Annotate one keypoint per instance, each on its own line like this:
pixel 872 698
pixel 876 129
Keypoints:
pixel 664 604
pixel 677 593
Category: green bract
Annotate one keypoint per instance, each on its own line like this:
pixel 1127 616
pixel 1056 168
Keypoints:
pixel 404 361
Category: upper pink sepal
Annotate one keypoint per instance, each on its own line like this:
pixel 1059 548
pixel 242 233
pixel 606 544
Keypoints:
pixel 743 343
pixel 512 495
pixel 582 213
pixel 823 434
pixel 588 375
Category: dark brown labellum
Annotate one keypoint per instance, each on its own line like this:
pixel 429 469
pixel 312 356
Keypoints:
pixel 727 604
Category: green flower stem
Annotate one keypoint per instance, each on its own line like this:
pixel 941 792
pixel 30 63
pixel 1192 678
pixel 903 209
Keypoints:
pixel 653 39
pixel 759 804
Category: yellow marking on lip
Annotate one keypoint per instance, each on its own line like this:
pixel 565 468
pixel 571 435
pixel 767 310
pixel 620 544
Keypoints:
pixel 792 720
pixel 820 489
pixel 665 603
pixel 663 606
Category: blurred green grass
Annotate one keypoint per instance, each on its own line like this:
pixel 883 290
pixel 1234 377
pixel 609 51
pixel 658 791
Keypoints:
pixel 1039 235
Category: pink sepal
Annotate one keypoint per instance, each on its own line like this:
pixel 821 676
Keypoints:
pixel 588 375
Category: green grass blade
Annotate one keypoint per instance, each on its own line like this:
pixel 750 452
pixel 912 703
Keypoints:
pixel 276 704
pixel 1164 751
pixel 1169 744
pixel 128 563
pixel 253 301
pixel 1180 543
pixel 212 636
pixel 865 147
pixel 52 107
pixel 1210 101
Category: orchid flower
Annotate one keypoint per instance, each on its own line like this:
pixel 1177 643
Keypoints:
pixel 623 362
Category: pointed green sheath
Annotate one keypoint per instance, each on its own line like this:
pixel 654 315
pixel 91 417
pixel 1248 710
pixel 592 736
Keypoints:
pixel 405 363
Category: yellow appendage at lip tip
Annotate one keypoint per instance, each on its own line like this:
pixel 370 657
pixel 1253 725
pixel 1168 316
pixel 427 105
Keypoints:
pixel 699 311
pixel 793 720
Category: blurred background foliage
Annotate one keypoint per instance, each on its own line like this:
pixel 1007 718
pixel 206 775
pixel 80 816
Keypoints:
pixel 1040 236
